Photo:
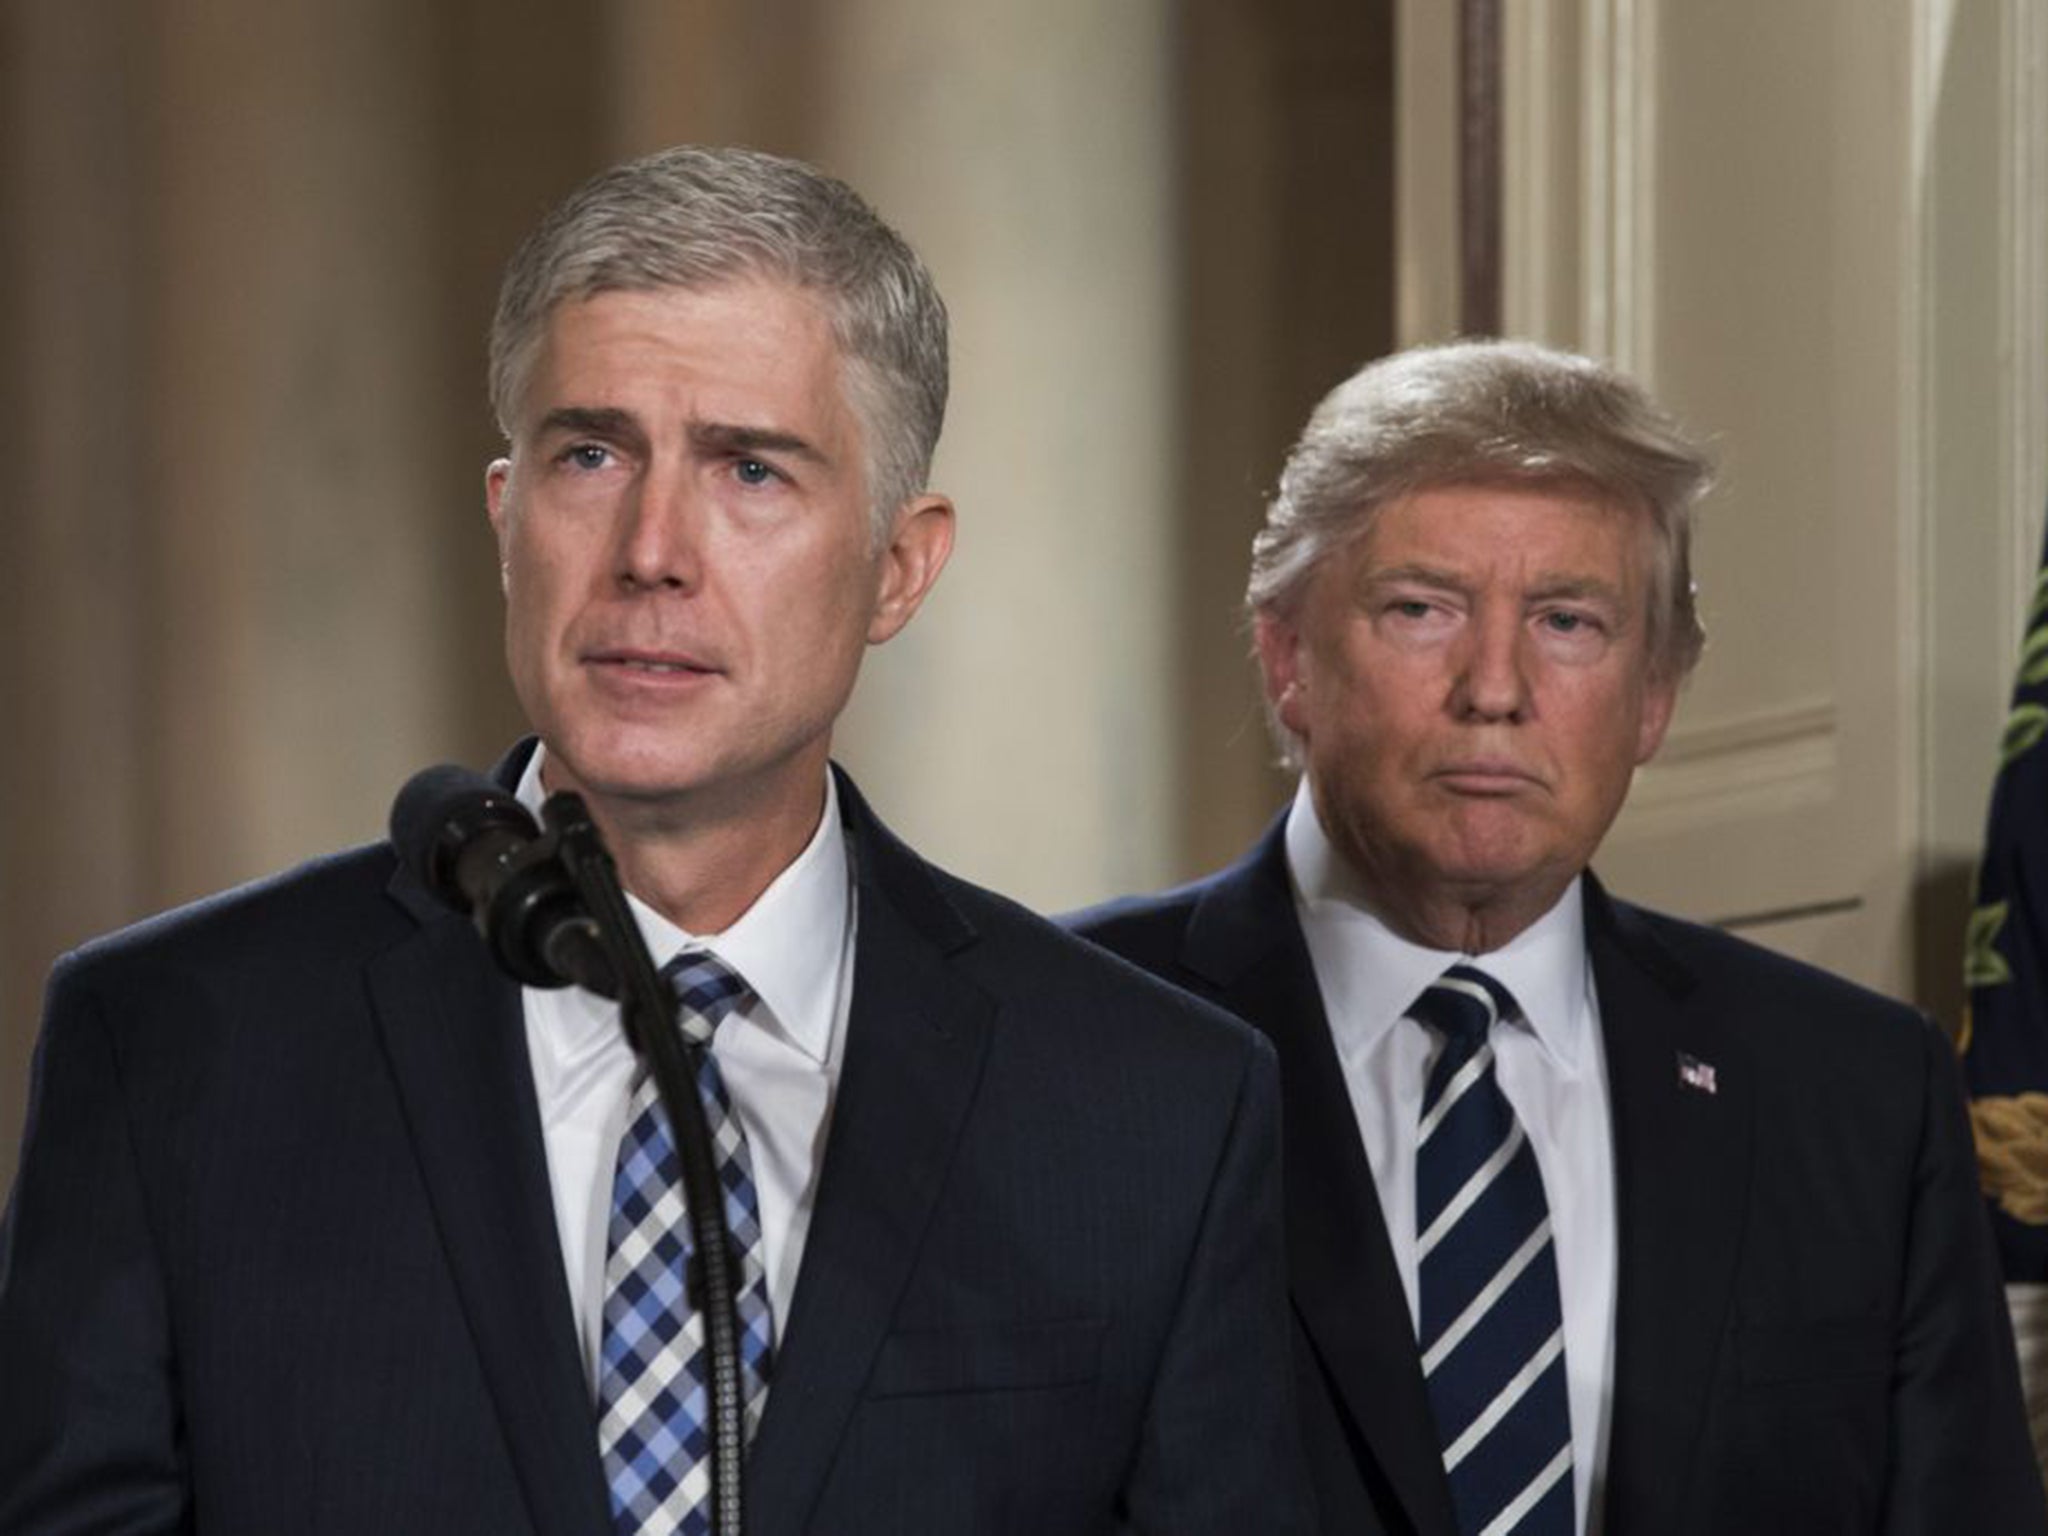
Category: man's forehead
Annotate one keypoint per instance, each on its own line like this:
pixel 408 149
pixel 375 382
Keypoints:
pixel 761 286
pixel 758 328
pixel 1488 519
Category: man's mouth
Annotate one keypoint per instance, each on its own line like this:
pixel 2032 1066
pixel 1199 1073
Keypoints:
pixel 651 663
pixel 1486 776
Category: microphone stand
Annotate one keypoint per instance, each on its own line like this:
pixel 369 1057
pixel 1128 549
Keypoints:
pixel 647 1009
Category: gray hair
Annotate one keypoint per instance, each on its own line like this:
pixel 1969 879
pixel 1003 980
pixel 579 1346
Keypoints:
pixel 692 217
pixel 1487 412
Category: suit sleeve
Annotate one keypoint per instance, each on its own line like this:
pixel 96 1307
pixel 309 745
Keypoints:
pixel 1220 1452
pixel 89 1430
pixel 1961 1459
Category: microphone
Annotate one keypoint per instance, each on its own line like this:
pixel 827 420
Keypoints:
pixel 551 910
pixel 479 850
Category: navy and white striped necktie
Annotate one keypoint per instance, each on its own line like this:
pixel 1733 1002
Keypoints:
pixel 1492 1328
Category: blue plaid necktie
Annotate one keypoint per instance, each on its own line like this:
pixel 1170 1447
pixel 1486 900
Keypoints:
pixel 653 1401
pixel 1492 1329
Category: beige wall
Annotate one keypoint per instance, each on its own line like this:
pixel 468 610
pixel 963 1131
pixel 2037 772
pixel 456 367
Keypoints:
pixel 1818 231
pixel 247 256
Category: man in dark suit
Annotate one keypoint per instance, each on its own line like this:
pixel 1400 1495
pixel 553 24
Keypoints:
pixel 1596 1220
pixel 324 1225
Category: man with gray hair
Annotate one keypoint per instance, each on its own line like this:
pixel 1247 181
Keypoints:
pixel 1596 1220
pixel 323 1224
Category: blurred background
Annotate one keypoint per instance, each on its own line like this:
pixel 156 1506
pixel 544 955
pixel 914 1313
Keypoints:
pixel 249 249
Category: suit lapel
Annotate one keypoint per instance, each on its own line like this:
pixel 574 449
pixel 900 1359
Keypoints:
pixel 917 1035
pixel 1245 943
pixel 1681 1159
pixel 452 1033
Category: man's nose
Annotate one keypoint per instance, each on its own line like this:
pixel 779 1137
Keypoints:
pixel 1494 679
pixel 661 535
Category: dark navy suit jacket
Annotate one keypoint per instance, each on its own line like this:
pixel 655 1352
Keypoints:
pixel 1811 1335
pixel 281 1256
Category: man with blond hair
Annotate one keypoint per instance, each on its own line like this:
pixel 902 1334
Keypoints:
pixel 1596 1220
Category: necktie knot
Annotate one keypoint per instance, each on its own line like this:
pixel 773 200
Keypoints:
pixel 707 990
pixel 1462 1005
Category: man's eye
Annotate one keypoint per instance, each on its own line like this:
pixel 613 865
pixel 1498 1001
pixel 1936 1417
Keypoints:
pixel 1410 608
pixel 752 472
pixel 587 456
pixel 1563 623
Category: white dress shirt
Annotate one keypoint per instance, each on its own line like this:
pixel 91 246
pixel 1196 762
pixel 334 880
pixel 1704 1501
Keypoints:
pixel 779 1054
pixel 1551 1066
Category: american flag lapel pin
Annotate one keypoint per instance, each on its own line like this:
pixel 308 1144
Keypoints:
pixel 1695 1074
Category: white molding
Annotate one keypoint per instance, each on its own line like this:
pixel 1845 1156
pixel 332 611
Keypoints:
pixel 1597 155
pixel 1638 231
pixel 1426 171
pixel 1735 735
pixel 2007 393
pixel 1919 745
pixel 1618 147
pixel 1533 194
pixel 2023 285
pixel 1739 767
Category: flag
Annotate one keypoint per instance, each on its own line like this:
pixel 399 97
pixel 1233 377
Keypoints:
pixel 2005 967
pixel 1695 1074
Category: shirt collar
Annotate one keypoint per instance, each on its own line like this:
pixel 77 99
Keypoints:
pixel 1379 973
pixel 786 946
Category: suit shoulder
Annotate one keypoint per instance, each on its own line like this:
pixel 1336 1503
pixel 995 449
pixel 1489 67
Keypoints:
pixel 1231 906
pixel 327 904
pixel 1721 958
pixel 1810 1023
pixel 1145 930
pixel 1129 913
pixel 1031 959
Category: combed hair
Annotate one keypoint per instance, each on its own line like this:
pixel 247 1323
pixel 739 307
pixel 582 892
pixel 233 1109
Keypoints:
pixel 694 217
pixel 1487 413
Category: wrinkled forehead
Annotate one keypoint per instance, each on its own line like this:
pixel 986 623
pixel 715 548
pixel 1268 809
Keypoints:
pixel 793 320
pixel 1513 509
pixel 1491 535
pixel 767 279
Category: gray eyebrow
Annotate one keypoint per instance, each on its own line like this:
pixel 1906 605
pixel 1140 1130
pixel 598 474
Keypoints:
pixel 721 437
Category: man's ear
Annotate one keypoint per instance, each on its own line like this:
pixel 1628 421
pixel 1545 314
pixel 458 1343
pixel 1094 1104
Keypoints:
pixel 1660 700
pixel 497 479
pixel 920 541
pixel 1283 663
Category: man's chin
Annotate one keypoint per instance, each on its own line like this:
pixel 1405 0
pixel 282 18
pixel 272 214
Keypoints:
pixel 1506 862
pixel 614 773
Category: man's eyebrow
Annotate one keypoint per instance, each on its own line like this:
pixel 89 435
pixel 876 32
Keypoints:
pixel 592 420
pixel 1549 588
pixel 721 437
pixel 1414 574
